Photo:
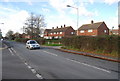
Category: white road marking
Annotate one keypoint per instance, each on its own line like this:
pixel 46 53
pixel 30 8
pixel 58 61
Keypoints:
pixel 81 63
pixel 29 67
pixel 50 53
pixel 39 76
pixel 11 51
pixel 26 63
pixel 89 65
pixel 33 70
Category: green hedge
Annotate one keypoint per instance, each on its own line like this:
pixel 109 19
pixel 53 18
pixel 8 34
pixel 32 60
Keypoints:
pixel 24 40
pixel 107 44
pixel 53 40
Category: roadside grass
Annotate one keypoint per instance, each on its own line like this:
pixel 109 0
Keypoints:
pixel 98 52
pixel 53 44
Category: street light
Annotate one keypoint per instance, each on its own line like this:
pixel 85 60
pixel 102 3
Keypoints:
pixel 77 15
pixel 112 29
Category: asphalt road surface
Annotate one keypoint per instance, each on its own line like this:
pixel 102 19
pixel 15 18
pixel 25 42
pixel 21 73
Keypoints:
pixel 45 63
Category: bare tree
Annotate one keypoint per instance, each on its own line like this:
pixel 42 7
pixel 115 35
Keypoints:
pixel 9 34
pixel 34 24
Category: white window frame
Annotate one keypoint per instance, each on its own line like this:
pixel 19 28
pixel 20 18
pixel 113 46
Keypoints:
pixel 72 33
pixel 90 30
pixel 82 31
pixel 54 32
pixel 56 37
pixel 60 37
pixel 105 31
pixel 61 32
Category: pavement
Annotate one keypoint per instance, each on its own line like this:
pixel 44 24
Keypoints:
pixel 47 63
pixel 114 59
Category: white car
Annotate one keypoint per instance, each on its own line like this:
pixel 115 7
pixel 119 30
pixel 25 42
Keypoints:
pixel 32 44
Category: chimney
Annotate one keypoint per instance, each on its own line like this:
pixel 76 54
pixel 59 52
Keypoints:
pixel 64 26
pixel 52 27
pixel 61 26
pixel 92 21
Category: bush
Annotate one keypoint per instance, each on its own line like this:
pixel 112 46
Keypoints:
pixel 106 44
pixel 24 40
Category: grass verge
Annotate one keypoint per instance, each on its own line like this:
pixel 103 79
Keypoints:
pixel 98 52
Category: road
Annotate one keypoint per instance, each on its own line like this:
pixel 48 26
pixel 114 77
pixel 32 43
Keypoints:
pixel 45 63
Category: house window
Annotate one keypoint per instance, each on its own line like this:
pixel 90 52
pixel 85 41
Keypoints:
pixel 72 32
pixel 105 31
pixel 82 31
pixel 56 37
pixel 54 32
pixel 50 37
pixel 60 32
pixel 60 37
pixel 90 30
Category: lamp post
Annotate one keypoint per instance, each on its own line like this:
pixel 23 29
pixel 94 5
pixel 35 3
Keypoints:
pixel 112 30
pixel 77 15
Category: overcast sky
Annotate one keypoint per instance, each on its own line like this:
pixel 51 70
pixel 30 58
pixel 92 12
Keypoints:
pixel 14 13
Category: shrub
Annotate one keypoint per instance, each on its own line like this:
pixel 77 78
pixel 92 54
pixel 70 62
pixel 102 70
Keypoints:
pixel 24 40
pixel 107 44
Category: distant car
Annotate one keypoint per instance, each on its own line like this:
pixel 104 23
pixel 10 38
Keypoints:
pixel 32 44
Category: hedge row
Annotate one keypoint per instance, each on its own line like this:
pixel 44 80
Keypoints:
pixel 24 40
pixel 107 44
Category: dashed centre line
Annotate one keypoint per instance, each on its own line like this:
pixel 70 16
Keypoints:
pixel 89 65
pixel 81 63
pixel 12 51
pixel 50 53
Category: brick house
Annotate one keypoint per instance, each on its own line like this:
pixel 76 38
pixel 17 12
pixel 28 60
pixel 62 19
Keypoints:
pixel 59 33
pixel 46 33
pixel 26 36
pixel 93 29
pixel 114 32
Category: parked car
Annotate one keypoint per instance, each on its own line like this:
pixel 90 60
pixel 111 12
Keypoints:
pixel 32 44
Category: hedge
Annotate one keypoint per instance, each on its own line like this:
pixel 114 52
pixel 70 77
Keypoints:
pixel 107 44
pixel 24 40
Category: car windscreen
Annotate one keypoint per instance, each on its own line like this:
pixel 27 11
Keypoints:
pixel 33 42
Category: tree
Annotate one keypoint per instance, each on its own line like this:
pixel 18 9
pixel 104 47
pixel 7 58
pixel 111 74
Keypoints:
pixel 0 34
pixel 10 35
pixel 34 24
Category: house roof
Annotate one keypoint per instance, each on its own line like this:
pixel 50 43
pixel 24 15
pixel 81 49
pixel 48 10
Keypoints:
pixel 47 30
pixel 90 26
pixel 63 29
pixel 115 31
